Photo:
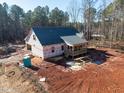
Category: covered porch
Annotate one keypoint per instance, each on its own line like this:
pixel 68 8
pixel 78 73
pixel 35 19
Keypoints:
pixel 74 46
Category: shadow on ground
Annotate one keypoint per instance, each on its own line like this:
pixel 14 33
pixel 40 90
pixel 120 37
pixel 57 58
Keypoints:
pixel 34 68
pixel 98 56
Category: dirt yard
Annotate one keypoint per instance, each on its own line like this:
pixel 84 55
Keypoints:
pixel 15 80
pixel 14 57
pixel 105 78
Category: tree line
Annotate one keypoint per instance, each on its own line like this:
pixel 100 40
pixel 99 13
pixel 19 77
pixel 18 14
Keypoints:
pixel 15 23
pixel 107 20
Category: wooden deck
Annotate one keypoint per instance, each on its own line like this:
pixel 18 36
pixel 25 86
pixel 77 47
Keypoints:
pixel 75 53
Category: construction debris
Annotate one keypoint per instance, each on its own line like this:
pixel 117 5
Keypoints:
pixel 10 73
pixel 42 79
pixel 71 77
pixel 105 78
pixel 76 67
pixel 14 81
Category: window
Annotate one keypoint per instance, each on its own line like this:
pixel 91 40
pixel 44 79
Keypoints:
pixel 62 47
pixel 75 48
pixel 29 47
pixel 80 47
pixel 34 37
pixel 68 47
pixel 71 48
pixel 53 49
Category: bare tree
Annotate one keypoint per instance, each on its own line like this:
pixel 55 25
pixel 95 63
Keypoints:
pixel 74 11
pixel 88 13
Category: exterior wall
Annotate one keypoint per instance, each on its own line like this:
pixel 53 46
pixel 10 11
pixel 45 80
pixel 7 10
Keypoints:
pixel 57 50
pixel 44 51
pixel 37 52
pixel 75 50
pixel 37 48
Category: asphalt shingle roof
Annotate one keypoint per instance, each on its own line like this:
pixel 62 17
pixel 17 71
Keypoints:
pixel 52 35
pixel 73 40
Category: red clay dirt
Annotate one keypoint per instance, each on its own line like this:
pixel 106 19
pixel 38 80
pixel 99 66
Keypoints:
pixel 105 78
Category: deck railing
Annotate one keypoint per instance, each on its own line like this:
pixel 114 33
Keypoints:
pixel 75 53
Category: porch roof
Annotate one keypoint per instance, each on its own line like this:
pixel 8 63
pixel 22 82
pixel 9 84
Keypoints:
pixel 73 40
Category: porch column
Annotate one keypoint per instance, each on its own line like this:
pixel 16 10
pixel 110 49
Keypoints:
pixel 72 51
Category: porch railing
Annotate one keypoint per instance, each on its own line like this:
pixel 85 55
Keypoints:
pixel 75 53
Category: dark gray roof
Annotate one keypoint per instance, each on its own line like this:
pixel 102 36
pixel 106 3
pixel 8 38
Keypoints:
pixel 73 40
pixel 52 35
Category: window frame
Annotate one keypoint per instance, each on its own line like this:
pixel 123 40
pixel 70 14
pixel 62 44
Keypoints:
pixel 62 47
pixel 52 49
pixel 34 37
